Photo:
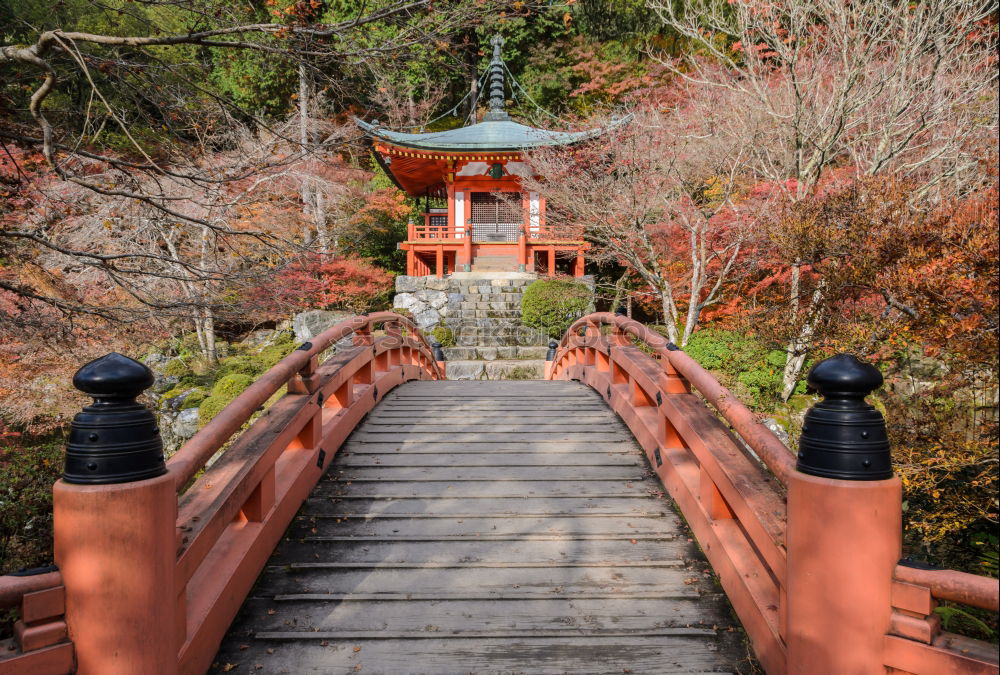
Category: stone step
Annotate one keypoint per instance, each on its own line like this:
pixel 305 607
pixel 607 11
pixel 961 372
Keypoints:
pixel 494 353
pixel 496 370
pixel 493 297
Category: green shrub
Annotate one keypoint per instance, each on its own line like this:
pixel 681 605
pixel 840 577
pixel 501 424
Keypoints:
pixel 231 385
pixel 444 335
pixel 552 305
pixel 194 399
pixel 742 363
pixel 211 407
pixel 177 368
pixel 247 364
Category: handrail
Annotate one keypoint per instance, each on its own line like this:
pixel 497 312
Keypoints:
pixel 811 571
pixel 182 564
pixel 736 512
pixel 954 586
pixel 762 440
pixel 13 588
pixel 193 455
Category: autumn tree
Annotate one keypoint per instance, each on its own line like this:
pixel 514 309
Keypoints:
pixel 122 104
pixel 662 195
pixel 907 89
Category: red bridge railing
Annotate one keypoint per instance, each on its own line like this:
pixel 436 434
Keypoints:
pixel 153 571
pixel 810 564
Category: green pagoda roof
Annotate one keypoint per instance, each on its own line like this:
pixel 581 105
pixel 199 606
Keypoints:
pixel 496 132
pixel 485 136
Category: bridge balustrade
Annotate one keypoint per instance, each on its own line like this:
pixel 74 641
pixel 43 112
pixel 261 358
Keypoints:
pixel 810 564
pixel 153 571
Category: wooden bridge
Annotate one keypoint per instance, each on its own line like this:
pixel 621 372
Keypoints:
pixel 377 519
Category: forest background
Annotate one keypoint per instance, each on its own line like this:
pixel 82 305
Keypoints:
pixel 800 178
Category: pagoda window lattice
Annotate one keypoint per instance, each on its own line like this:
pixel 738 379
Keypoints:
pixel 496 216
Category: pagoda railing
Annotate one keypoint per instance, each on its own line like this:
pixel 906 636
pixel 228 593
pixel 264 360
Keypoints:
pixel 436 226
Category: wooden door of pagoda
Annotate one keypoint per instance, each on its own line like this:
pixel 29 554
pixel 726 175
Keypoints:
pixel 496 216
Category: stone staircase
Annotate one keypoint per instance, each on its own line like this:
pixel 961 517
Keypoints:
pixel 491 342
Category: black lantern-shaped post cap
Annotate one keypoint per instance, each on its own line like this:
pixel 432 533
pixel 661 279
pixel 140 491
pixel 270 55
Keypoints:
pixel 113 376
pixel 116 439
pixel 843 437
pixel 437 351
pixel 551 355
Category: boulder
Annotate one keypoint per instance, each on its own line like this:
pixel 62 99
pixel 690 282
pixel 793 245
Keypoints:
pixel 776 428
pixel 260 338
pixel 465 370
pixel 426 319
pixel 405 284
pixel 176 427
pixel 308 325
pixel 435 284
pixel 408 301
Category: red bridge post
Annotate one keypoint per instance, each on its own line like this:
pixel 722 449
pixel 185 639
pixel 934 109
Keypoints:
pixel 844 533
pixel 115 537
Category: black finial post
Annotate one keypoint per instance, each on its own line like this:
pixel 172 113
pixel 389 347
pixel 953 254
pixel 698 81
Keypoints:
pixel 497 98
pixel 843 437
pixel 116 439
pixel 437 351
pixel 551 355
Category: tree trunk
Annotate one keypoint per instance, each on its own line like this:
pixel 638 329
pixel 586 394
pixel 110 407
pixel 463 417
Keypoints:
pixel 305 94
pixel 798 348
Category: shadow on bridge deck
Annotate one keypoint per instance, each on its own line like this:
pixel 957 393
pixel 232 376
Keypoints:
pixel 485 527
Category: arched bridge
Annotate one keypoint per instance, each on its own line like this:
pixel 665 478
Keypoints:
pixel 375 518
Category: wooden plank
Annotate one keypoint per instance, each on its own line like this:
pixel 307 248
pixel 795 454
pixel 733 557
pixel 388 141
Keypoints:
pixel 267 614
pixel 509 424
pixel 479 581
pixel 539 656
pixel 485 490
pixel 509 459
pixel 485 527
pixel 457 472
pixel 305 526
pixel 592 437
pixel 446 445
pixel 480 550
pixel 499 506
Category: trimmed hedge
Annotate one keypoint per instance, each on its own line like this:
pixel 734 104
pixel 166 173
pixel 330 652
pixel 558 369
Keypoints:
pixel 552 305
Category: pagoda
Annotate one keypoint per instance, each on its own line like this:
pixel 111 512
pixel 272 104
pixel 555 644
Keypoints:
pixel 476 215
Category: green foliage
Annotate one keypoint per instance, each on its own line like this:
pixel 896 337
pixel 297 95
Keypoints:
pixel 28 468
pixel 231 386
pixel 742 363
pixel 444 335
pixel 177 368
pixel 964 622
pixel 225 390
pixel 194 399
pixel 211 407
pixel 552 305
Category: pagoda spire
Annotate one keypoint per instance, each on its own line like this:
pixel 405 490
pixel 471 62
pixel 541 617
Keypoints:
pixel 497 112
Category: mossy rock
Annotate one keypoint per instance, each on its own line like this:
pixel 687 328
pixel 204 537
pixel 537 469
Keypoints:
pixel 552 305
pixel 194 399
pixel 177 368
pixel 247 364
pixel 211 407
pixel 231 385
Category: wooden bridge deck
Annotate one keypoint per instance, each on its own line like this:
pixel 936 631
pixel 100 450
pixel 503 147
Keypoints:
pixel 481 527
